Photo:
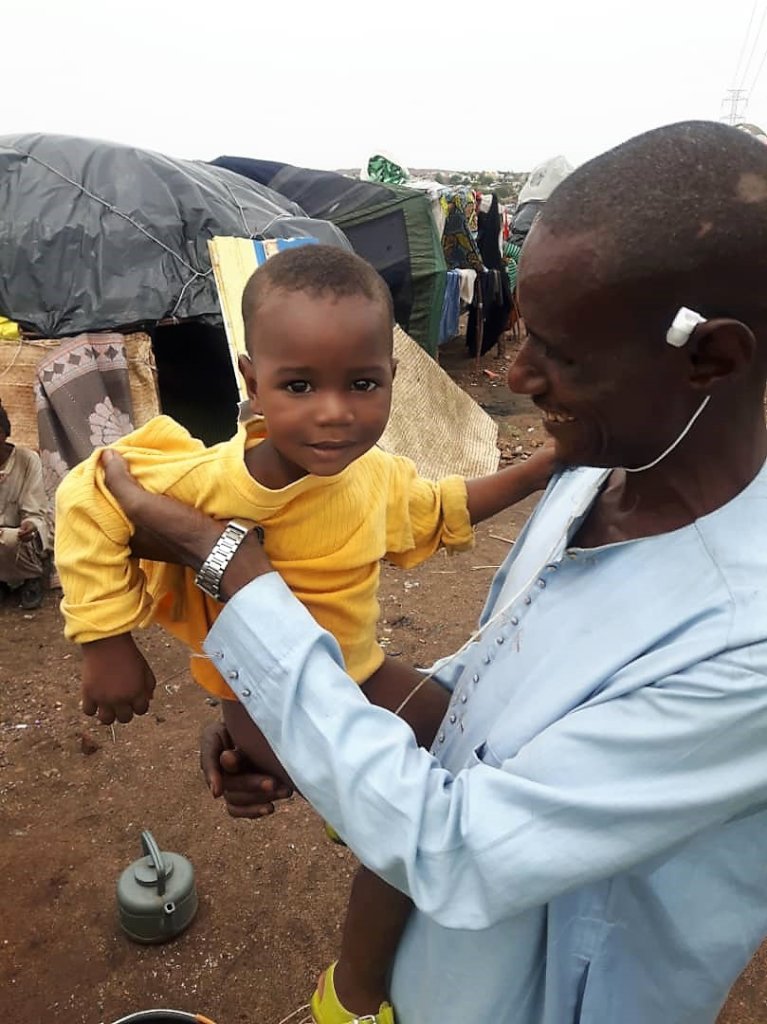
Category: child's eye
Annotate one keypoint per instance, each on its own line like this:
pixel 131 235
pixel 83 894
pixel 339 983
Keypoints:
pixel 364 385
pixel 298 387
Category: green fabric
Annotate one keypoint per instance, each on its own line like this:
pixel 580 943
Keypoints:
pixel 386 172
pixel 427 260
pixel 511 256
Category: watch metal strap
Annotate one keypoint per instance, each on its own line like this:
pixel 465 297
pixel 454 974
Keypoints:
pixel 211 571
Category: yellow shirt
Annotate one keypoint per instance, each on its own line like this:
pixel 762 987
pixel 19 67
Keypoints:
pixel 324 535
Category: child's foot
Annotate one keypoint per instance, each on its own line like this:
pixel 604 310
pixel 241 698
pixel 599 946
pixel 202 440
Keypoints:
pixel 327 1008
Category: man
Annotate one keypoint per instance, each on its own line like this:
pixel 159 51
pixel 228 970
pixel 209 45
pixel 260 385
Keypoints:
pixel 586 841
pixel 25 525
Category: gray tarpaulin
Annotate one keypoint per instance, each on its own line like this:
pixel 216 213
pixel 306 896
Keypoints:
pixel 96 236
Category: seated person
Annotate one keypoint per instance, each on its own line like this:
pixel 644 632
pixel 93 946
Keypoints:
pixel 25 520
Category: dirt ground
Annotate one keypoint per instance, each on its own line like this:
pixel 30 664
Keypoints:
pixel 74 798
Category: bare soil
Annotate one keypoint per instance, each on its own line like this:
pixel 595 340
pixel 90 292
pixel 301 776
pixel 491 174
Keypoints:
pixel 74 798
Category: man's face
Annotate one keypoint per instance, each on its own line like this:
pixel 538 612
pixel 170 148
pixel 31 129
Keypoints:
pixel 611 394
pixel 321 375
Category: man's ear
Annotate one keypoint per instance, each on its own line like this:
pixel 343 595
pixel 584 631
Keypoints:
pixel 245 364
pixel 719 350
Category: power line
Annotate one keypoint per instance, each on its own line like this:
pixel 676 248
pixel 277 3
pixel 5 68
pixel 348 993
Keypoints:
pixel 745 41
pixel 753 47
pixel 758 71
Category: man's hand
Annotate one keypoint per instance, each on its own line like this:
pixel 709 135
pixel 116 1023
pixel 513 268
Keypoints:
pixel 228 773
pixel 166 529
pixel 27 531
pixel 117 682
pixel 169 531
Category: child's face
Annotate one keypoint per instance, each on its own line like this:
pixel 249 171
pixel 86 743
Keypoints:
pixel 321 375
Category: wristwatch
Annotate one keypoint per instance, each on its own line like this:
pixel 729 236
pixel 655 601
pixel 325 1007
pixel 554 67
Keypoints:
pixel 208 579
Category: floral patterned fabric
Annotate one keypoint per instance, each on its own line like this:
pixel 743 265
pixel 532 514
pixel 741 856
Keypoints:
pixel 459 234
pixel 83 401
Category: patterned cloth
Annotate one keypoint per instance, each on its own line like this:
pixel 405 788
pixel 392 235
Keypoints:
pixel 458 237
pixel 511 253
pixel 83 401
pixel 386 171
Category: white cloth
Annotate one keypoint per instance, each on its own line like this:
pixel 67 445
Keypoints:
pixel 468 280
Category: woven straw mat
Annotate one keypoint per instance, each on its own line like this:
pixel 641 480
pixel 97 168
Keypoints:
pixel 435 423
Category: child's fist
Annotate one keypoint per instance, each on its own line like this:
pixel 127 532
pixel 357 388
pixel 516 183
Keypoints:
pixel 117 682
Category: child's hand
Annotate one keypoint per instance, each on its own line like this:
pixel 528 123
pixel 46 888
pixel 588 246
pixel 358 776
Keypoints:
pixel 541 465
pixel 117 682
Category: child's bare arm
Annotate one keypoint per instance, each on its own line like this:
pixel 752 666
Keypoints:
pixel 393 682
pixel 488 495
pixel 117 682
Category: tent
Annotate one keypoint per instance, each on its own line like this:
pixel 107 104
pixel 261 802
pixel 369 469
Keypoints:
pixel 391 226
pixel 104 261
pixel 101 237
pixel 143 221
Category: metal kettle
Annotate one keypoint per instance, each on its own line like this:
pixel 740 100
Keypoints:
pixel 156 895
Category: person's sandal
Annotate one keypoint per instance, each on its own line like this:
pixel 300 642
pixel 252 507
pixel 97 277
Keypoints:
pixel 31 594
pixel 327 1009
pixel 333 836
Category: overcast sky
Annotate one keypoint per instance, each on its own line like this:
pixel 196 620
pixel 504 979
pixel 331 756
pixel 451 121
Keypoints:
pixel 323 84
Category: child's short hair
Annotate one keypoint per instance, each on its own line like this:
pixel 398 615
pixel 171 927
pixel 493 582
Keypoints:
pixel 5 423
pixel 317 270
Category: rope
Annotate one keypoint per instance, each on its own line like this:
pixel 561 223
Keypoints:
pixel 108 206
pixel 16 355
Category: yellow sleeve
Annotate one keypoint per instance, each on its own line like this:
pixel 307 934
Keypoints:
pixel 105 590
pixel 424 515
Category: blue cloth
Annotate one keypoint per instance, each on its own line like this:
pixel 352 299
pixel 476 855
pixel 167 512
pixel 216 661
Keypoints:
pixel 587 841
pixel 451 304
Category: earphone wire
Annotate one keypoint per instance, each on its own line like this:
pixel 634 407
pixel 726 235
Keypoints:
pixel 673 445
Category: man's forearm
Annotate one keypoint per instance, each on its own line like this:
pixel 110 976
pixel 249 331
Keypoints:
pixel 184 535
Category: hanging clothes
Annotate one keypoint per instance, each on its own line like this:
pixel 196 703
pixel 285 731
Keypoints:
pixel 490 312
pixel 511 253
pixel 468 282
pixel 451 305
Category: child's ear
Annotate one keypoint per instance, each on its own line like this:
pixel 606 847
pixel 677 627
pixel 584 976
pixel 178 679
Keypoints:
pixel 245 365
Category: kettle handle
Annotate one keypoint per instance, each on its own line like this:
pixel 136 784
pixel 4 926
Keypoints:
pixel 152 850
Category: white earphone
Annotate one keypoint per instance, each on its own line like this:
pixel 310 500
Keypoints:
pixel 682 326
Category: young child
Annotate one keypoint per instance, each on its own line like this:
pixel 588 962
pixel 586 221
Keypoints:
pixel 306 469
